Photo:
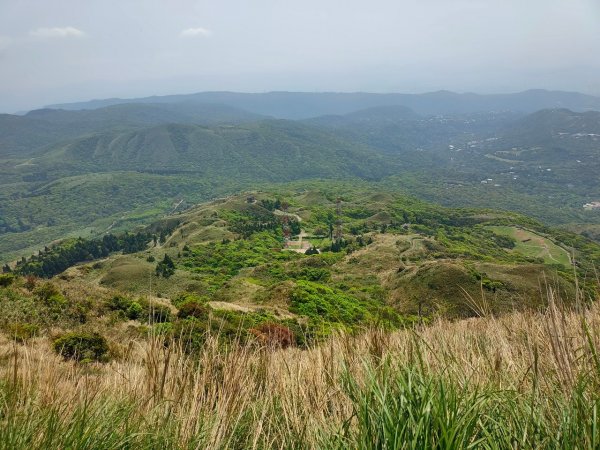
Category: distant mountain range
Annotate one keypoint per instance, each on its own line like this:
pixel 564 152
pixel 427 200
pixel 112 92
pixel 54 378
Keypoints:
pixel 113 163
pixel 302 105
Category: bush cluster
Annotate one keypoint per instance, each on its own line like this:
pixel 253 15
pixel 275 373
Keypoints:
pixel 82 346
pixel 140 309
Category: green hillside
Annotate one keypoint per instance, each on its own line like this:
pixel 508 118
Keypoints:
pixel 38 130
pixel 269 151
pixel 398 259
pixel 73 172
pixel 211 305
pixel 91 182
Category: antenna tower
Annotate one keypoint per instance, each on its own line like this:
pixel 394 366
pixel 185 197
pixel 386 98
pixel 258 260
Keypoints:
pixel 337 236
pixel 285 222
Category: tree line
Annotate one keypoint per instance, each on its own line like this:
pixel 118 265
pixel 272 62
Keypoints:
pixel 53 260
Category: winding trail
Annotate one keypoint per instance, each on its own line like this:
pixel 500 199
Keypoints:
pixel 302 234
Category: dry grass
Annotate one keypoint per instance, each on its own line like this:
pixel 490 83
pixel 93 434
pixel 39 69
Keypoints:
pixel 248 397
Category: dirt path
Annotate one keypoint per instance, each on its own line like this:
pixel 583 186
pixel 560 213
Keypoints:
pixel 414 239
pixel 175 208
pixel 251 308
pixel 302 248
pixel 278 212
pixel 112 225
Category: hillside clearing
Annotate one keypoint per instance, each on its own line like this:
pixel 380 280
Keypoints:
pixel 533 245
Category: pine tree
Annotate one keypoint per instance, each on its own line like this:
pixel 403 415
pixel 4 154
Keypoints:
pixel 166 267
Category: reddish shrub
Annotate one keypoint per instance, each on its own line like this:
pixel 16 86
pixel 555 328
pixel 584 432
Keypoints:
pixel 274 335
pixel 30 282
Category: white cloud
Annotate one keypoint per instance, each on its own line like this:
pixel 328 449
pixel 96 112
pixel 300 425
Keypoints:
pixel 193 32
pixel 56 32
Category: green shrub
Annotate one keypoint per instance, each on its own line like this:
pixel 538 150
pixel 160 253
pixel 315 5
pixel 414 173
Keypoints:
pixel 191 333
pixel 141 309
pixel 119 303
pixel 46 292
pixel 22 331
pixel 193 309
pixel 185 297
pixel 313 274
pixel 166 267
pixel 56 301
pixel 161 329
pixel 491 285
pixel 320 302
pixel 134 311
pixel 6 279
pixel 81 346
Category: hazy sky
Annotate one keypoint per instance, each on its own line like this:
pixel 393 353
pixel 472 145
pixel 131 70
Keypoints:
pixel 66 50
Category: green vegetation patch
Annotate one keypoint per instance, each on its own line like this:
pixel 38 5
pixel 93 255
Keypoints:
pixel 327 307
pixel 218 262
pixel 319 302
pixel 83 347
pixel 533 245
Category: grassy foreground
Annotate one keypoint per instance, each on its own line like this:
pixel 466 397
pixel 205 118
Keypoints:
pixel 524 380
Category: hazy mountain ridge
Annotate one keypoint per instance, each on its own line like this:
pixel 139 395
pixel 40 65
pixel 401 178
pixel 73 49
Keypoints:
pixel 266 150
pixel 552 138
pixel 552 123
pixel 34 132
pixel 301 105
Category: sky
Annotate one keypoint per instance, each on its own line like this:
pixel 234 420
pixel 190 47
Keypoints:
pixel 55 51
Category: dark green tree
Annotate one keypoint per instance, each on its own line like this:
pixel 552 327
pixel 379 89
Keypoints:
pixel 166 267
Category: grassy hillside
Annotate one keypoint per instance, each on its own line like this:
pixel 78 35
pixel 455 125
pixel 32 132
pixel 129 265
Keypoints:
pixel 129 160
pixel 218 333
pixel 266 151
pixel 399 258
pixel 89 205
pixel 526 380
pixel 534 245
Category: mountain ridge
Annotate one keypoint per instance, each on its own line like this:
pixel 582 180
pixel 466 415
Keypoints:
pixel 303 105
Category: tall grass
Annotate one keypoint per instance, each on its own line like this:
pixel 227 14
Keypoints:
pixel 524 380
